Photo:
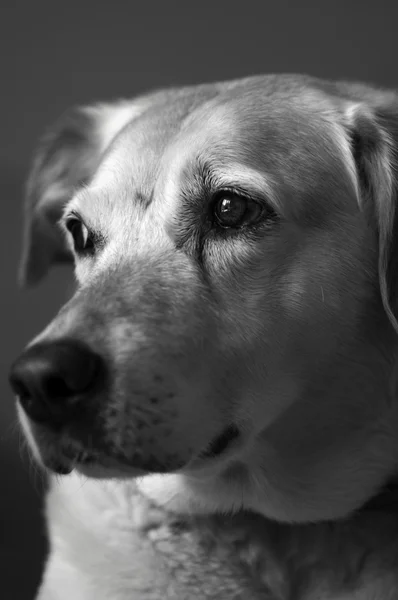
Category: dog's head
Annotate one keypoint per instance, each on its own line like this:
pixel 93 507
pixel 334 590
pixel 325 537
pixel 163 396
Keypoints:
pixel 234 324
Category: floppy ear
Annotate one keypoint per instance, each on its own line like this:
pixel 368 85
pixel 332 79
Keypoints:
pixel 373 132
pixel 67 158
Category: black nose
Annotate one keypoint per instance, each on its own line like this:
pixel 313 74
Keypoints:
pixel 52 380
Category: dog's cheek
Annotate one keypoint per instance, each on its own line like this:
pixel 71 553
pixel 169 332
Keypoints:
pixel 253 341
pixel 167 387
pixel 166 401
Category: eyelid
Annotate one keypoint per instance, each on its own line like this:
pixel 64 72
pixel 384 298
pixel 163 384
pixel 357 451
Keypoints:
pixel 62 224
pixel 65 218
pixel 72 215
pixel 261 201
pixel 97 237
pixel 246 181
pixel 234 189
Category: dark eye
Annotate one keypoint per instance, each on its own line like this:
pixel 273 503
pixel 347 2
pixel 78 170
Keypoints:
pixel 234 211
pixel 82 240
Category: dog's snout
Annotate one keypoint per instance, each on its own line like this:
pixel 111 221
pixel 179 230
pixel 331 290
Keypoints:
pixel 52 379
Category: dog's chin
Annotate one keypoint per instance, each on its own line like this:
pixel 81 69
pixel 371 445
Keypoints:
pixel 96 470
pixel 103 467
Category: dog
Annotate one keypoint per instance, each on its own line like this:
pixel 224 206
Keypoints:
pixel 232 343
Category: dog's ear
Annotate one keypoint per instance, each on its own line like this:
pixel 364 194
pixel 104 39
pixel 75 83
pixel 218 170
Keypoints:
pixel 373 134
pixel 67 158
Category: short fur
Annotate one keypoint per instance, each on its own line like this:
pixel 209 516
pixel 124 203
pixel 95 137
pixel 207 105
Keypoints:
pixel 288 330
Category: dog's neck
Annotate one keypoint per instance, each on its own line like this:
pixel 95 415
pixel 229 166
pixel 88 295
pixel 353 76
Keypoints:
pixel 354 553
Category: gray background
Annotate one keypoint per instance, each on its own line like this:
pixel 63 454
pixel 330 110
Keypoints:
pixel 54 54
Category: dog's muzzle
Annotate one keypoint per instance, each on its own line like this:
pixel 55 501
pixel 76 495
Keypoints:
pixel 62 386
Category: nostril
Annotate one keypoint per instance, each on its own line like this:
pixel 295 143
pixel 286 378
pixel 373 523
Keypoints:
pixel 76 374
pixel 56 387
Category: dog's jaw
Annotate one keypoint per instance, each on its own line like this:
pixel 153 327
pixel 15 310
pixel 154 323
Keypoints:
pixel 254 478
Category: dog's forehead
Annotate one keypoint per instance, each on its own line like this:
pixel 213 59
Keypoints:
pixel 133 161
pixel 280 132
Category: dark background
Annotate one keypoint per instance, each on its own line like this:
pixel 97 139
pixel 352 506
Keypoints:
pixel 54 54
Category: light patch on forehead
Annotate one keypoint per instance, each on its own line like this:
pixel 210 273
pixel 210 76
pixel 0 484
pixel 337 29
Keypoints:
pixel 213 117
pixel 111 119
pixel 109 173
pixel 172 186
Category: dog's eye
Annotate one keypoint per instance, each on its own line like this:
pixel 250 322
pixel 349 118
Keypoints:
pixel 234 211
pixel 82 240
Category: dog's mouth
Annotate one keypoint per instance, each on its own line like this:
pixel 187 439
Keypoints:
pixel 85 461
pixel 221 443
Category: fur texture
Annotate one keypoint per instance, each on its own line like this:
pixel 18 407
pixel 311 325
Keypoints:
pixel 108 541
pixel 282 330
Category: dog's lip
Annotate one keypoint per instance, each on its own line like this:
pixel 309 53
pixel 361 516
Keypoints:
pixel 102 467
pixel 91 464
pixel 95 464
